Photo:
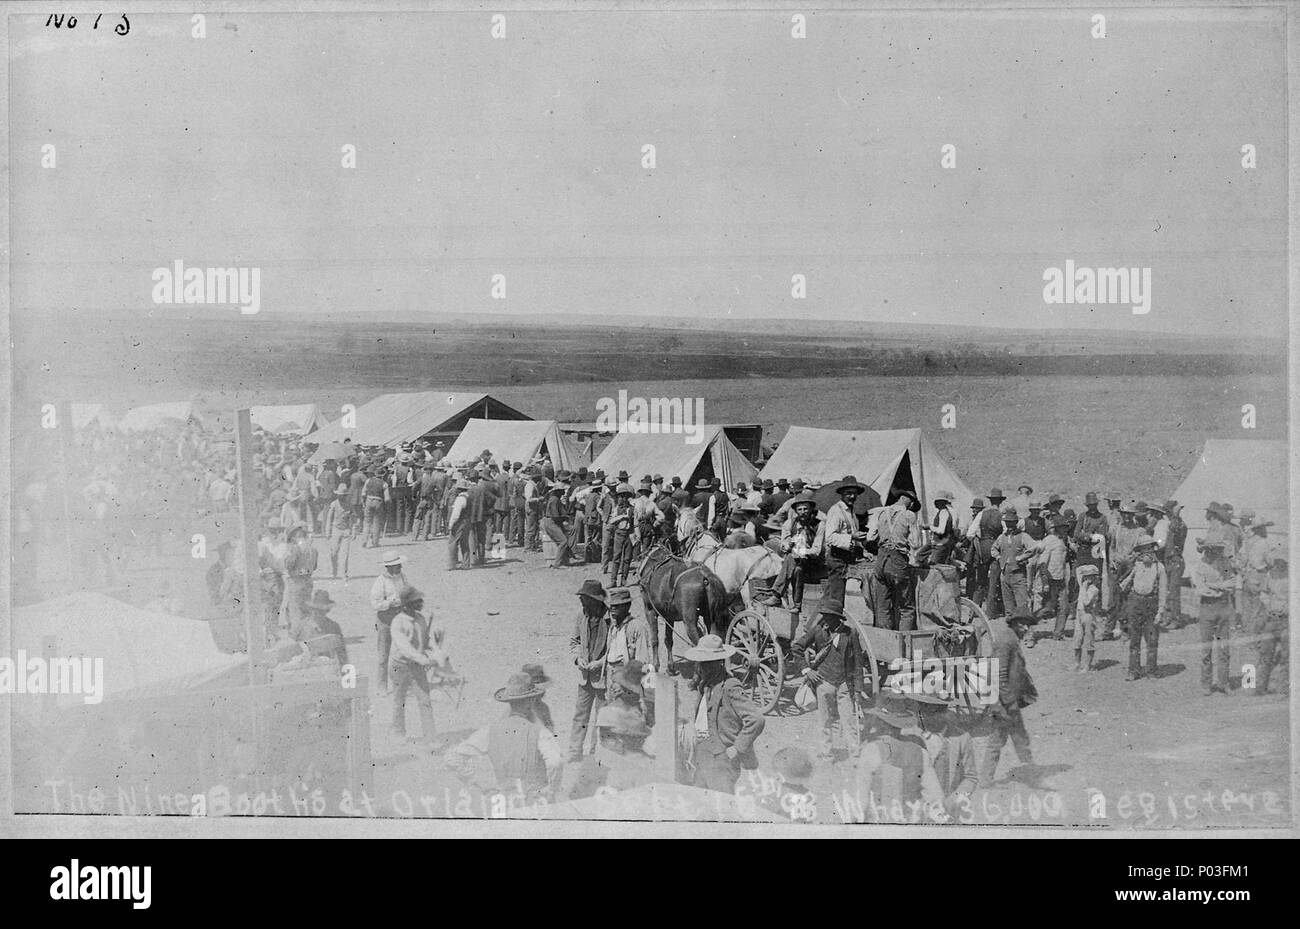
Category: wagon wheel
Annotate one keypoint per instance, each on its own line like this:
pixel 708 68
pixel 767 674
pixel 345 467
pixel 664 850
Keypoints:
pixel 972 615
pixel 758 663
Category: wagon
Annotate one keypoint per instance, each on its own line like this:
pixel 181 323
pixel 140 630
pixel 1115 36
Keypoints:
pixel 762 636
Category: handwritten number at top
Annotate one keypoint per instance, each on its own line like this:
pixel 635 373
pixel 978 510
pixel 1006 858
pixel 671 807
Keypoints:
pixel 64 21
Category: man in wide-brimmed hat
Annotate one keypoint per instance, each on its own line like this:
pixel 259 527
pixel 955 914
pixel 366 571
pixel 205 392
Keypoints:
pixel 832 659
pixel 621 523
pixel 1146 590
pixel 843 537
pixel 726 721
pixel 513 753
pixel 1015 691
pixel 588 646
pixel 300 561
pixel 1253 564
pixel 801 543
pixel 619 760
pixel 898 535
pixel 1215 580
pixel 1123 538
pixel 1175 539
pixel 413 652
pixel 944 531
pixel 984 528
pixel 896 767
pixel 555 522
pixel 387 595
pixel 320 624
pixel 629 636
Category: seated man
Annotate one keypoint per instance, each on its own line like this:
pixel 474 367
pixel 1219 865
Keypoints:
pixel 952 753
pixel 320 624
pixel 801 543
pixel 895 772
pixel 620 761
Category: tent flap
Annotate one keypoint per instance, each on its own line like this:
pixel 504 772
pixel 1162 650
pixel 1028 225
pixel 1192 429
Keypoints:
pixel 291 419
pixel 1251 474
pixel 516 440
pixel 673 455
pixel 392 419
pixel 873 456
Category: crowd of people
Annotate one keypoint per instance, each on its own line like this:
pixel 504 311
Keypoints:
pixel 1026 560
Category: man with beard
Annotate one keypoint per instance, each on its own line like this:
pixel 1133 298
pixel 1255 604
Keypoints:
pixel 842 538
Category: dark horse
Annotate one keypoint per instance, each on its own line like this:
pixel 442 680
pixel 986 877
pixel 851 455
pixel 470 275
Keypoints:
pixel 679 592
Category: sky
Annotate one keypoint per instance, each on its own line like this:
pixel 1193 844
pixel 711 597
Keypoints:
pixel 775 156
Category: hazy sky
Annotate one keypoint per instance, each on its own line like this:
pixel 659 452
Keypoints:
pixel 775 156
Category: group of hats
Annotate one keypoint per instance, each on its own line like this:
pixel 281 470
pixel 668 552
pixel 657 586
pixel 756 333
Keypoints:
pixel 594 590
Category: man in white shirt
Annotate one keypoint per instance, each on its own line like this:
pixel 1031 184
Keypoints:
pixel 842 538
pixel 1050 567
pixel 899 535
pixel 458 528
pixel 413 652
pixel 514 753
pixel 386 597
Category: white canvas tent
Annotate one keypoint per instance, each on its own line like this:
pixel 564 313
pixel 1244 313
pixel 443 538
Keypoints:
pixel 291 419
pixel 144 653
pixel 157 415
pixel 511 440
pixel 875 457
pixel 671 455
pixel 1251 474
pixel 391 419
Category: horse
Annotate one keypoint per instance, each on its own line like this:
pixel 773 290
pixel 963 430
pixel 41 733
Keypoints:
pixel 680 592
pixel 735 567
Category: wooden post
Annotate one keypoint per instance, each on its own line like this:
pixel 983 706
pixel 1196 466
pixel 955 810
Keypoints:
pixel 254 619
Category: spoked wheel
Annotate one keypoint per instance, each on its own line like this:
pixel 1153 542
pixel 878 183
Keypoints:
pixel 758 663
pixel 971 615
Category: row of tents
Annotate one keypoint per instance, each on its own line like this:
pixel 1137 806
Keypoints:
pixel 1252 474
pixel 296 419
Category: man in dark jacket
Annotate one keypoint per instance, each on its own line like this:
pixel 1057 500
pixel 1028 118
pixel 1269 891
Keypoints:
pixel 479 508
pixel 588 644
pixel 726 721
pixel 1015 692
pixel 834 669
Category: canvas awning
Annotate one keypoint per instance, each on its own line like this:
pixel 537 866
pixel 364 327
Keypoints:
pixel 391 419
pixel 144 653
pixel 516 441
pixel 1251 474
pixel 291 419
pixel 673 455
pixel 157 415
pixel 882 459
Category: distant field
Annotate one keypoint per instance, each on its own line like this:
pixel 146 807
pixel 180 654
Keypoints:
pixel 1071 423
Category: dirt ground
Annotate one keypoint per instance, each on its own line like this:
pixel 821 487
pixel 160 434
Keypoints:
pixel 1159 753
